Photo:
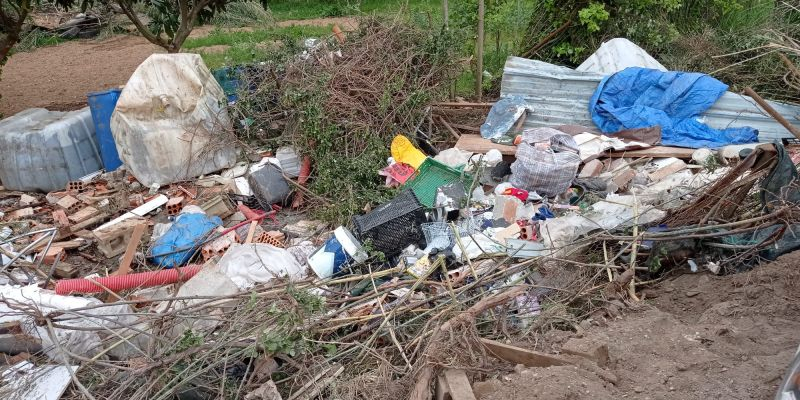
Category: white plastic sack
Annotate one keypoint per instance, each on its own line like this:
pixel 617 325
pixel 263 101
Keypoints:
pixel 168 120
pixel 248 264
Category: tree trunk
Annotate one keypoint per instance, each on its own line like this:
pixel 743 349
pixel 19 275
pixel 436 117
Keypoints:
pixel 7 41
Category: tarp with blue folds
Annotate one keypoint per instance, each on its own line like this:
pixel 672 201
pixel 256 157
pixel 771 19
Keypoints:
pixel 640 97
pixel 179 243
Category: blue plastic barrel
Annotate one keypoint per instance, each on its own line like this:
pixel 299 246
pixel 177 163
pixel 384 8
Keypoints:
pixel 102 106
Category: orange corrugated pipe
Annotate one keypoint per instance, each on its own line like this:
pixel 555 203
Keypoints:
pixel 305 171
pixel 131 281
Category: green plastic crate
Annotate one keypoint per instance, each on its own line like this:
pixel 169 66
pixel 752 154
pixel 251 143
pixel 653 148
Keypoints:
pixel 430 176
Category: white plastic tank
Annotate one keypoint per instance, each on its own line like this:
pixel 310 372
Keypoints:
pixel 42 150
pixel 170 121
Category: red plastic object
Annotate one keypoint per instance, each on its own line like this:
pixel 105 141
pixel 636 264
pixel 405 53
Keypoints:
pixel 131 281
pixel 518 193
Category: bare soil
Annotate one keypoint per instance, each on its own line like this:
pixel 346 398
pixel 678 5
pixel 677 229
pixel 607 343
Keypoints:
pixel 59 77
pixel 699 336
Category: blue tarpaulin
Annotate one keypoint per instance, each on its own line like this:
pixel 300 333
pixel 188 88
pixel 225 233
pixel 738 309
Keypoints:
pixel 641 98
pixel 175 247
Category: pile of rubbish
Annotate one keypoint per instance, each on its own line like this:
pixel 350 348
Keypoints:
pixel 143 259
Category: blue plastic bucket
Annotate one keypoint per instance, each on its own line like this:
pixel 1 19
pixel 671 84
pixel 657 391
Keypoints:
pixel 102 106
pixel 337 252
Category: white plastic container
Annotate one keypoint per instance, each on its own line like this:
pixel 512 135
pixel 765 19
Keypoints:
pixel 42 150
pixel 169 121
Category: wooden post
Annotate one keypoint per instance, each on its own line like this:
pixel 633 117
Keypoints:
pixel 479 52
pixel 446 13
pixel 772 112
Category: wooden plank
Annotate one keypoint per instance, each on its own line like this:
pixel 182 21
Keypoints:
pixel 654 152
pixel 449 128
pixel 453 384
pixel 518 355
pixel 464 105
pixel 477 144
pixel 130 251
pixel 251 232
pixel 772 112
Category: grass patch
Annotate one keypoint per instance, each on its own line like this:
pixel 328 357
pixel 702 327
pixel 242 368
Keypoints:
pixel 35 39
pixel 248 47
pixel 308 9
pixel 244 13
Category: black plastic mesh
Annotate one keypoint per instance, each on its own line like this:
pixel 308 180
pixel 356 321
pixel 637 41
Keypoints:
pixel 393 225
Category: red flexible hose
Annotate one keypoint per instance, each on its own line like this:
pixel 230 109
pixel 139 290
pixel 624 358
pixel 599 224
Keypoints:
pixel 130 281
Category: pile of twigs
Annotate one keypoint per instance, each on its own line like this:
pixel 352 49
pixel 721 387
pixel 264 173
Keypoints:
pixel 341 102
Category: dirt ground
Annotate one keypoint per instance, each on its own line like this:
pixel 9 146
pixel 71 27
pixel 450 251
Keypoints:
pixel 59 77
pixel 698 336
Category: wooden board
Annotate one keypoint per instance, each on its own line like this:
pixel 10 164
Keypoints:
pixel 654 152
pixel 477 144
pixel 125 265
pixel 518 355
pixel 453 384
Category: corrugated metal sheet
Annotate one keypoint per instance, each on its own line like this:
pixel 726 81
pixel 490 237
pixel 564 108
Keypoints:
pixel 560 96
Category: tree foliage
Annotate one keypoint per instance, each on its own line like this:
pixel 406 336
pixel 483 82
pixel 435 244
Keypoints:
pixel 171 21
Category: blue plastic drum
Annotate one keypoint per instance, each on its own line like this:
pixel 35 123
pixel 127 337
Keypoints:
pixel 102 106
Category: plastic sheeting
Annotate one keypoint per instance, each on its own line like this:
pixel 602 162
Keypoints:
pixel 504 113
pixel 616 55
pixel 641 98
pixel 169 119
pixel 177 246
pixel 248 264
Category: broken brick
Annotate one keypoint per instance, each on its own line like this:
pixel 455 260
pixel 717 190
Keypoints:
pixel 135 200
pixel 65 271
pixel 219 246
pixel 265 237
pixel 60 218
pixel 76 186
pixel 591 169
pixel 26 200
pixel 21 213
pixel 53 254
pixel 675 166
pixel 69 204
pixel 622 178
pixel 83 214
pixel 113 240
pixel 175 205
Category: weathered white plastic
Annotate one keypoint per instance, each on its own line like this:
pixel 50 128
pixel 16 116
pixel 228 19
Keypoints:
pixel 168 121
pixel 616 55
pixel 42 150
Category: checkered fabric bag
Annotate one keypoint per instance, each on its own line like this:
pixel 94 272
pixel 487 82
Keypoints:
pixel 549 167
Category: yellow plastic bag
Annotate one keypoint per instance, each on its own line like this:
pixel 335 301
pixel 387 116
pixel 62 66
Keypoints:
pixel 404 151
